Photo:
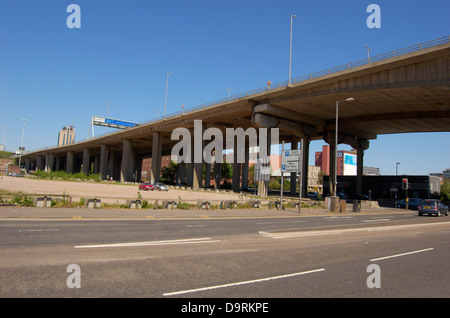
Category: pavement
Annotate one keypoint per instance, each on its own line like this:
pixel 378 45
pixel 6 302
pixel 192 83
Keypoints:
pixel 120 192
pixel 30 213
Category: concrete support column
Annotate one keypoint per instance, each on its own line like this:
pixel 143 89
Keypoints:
pixel 127 165
pixel 359 169
pixel 111 165
pixel 217 174
pixel 190 165
pixel 293 180
pixel 49 161
pixel 27 165
pixel 39 163
pixel 156 156
pixel 86 161
pixel 96 163
pixel 245 166
pixel 305 165
pixel 104 154
pixel 58 164
pixel 236 180
pixel 181 174
pixel 207 175
pixel 69 162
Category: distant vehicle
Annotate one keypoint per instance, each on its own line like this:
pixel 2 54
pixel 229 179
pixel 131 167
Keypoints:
pixel 15 174
pixel 312 195
pixel 146 186
pixel 160 187
pixel 433 207
pixel 341 195
pixel 413 203
pixel 359 197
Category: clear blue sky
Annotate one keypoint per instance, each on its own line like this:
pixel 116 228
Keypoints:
pixel 55 76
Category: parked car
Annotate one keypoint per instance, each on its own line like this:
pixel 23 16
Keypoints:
pixel 341 196
pixel 160 187
pixel 146 186
pixel 359 197
pixel 15 174
pixel 312 195
pixel 413 203
pixel 433 207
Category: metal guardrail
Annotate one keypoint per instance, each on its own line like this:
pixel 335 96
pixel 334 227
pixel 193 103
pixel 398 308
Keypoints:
pixel 376 58
pixel 347 66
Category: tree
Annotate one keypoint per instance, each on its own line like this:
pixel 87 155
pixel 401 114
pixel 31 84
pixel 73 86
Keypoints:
pixel 169 173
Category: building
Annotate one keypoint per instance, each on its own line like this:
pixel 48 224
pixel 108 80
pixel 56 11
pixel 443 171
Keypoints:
pixel 346 163
pixel 387 187
pixel 66 136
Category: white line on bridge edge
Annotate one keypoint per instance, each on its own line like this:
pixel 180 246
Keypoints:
pixel 402 254
pixel 241 283
pixel 154 243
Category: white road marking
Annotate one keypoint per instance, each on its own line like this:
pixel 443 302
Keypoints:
pixel 40 230
pixel 154 243
pixel 241 283
pixel 402 254
pixel 376 220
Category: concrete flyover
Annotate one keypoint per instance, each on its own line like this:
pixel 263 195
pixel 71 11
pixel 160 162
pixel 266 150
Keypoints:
pixel 401 91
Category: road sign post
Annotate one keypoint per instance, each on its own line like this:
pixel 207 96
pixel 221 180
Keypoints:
pixel 290 162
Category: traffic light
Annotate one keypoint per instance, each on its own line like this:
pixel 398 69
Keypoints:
pixel 405 183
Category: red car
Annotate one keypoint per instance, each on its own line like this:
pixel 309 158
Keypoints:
pixel 146 186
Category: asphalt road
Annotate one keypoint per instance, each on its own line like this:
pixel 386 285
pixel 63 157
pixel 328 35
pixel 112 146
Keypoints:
pixel 324 256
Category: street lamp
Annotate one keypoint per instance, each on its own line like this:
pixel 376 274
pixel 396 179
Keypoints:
pixel 21 142
pixel 350 99
pixel 396 168
pixel 229 90
pixel 107 116
pixel 368 53
pixel 4 134
pixel 290 49
pixel 167 87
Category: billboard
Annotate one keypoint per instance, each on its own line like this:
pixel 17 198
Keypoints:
pixel 349 164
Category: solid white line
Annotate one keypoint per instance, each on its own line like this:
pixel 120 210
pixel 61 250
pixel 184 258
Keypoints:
pixel 403 254
pixel 153 243
pixel 40 230
pixel 241 283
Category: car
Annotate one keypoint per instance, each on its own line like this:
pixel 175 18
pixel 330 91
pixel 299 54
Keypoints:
pixel 15 174
pixel 146 186
pixel 161 187
pixel 413 203
pixel 433 206
pixel 341 196
pixel 312 195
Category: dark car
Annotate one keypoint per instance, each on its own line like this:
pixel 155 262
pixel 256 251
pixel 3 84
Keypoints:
pixel 413 203
pixel 146 186
pixel 433 207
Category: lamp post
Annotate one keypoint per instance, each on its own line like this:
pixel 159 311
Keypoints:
pixel 4 134
pixel 107 117
pixel 350 99
pixel 229 90
pixel 21 142
pixel 167 87
pixel 368 53
pixel 290 49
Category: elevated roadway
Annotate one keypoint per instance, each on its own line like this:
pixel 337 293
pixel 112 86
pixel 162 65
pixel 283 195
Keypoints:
pixel 402 91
